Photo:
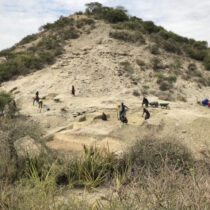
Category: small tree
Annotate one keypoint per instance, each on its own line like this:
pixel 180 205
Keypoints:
pixel 93 7
pixel 116 15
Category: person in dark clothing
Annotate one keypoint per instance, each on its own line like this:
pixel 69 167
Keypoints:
pixel 40 103
pixel 147 116
pixel 73 90
pixel 104 117
pixel 124 119
pixel 145 101
pixel 36 98
pixel 122 110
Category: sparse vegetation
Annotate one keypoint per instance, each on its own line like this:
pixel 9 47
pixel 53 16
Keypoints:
pixel 177 63
pixel 171 46
pixel 5 99
pixel 154 49
pixel 45 51
pixel 156 64
pixel 28 39
pixel 160 168
pixel 207 62
pixel 170 78
pixel 127 36
pixel 127 67
pixel 140 62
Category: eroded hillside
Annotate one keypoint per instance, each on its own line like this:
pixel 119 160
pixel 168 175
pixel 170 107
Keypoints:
pixel 105 72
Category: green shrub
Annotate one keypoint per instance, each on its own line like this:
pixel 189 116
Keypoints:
pixel 7 52
pixel 170 35
pixel 170 78
pixel 116 15
pixel 192 67
pixel 171 46
pixel 177 63
pixel 8 70
pixel 150 154
pixel 127 67
pixel 28 39
pixel 84 21
pixel 78 13
pixel 129 25
pixel 128 37
pixel 59 24
pixel 194 53
pixel 156 64
pixel 207 62
pixel 46 57
pixel 48 43
pixel 93 8
pixel 5 98
pixel 92 169
pixel 208 81
pixel 70 34
pixel 150 27
pixel 154 49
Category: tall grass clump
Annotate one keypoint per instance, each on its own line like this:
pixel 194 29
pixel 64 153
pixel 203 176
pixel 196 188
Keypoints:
pixel 90 170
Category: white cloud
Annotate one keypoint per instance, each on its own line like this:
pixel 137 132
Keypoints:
pixel 22 17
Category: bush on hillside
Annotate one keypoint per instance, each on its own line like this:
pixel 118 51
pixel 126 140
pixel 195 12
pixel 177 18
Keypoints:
pixel 112 15
pixel 192 67
pixel 46 57
pixel 171 46
pixel 127 36
pixel 156 64
pixel 48 43
pixel 194 53
pixel 170 35
pixel 177 63
pixel 84 21
pixel 150 27
pixel 70 34
pixel 5 99
pixel 58 24
pixel 154 49
pixel 129 25
pixel 127 67
pixel 28 39
pixel 7 53
pixel 207 62
pixel 116 15
pixel 170 78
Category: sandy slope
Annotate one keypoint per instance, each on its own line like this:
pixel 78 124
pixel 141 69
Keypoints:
pixel 91 64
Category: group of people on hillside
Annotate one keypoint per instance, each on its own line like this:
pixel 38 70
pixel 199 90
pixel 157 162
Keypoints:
pixel 39 101
pixel 122 108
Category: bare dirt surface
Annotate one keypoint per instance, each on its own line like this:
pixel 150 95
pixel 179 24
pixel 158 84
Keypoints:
pixel 92 63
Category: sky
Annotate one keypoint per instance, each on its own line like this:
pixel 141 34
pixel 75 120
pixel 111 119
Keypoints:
pixel 19 18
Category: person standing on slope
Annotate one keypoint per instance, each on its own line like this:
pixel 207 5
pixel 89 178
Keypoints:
pixel 147 116
pixel 122 110
pixel 73 90
pixel 145 101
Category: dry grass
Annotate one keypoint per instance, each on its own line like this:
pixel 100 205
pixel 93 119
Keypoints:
pixel 152 174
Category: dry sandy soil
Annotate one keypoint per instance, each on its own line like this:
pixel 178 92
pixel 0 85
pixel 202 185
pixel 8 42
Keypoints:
pixel 91 64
